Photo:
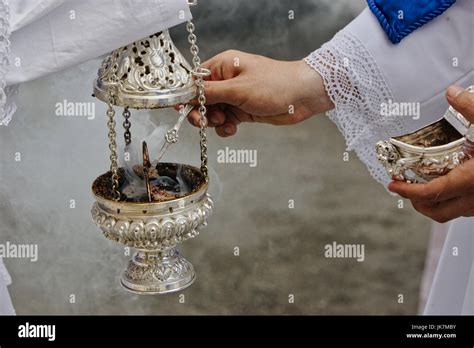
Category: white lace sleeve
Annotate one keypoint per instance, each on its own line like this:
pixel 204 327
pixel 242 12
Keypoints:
pixel 357 87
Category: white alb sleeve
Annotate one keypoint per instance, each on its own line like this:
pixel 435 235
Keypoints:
pixel 79 30
pixel 362 70
pixel 24 12
pixel 52 35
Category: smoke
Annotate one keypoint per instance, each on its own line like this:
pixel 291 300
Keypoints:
pixel 148 129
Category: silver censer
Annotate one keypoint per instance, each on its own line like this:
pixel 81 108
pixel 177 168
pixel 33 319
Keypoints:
pixel 431 151
pixel 151 74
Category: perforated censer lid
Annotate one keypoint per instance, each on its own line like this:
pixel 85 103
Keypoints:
pixel 148 74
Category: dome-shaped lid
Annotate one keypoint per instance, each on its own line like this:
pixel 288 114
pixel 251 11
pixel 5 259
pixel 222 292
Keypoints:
pixel 147 74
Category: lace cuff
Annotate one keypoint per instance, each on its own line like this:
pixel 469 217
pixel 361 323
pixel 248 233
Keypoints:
pixel 357 88
pixel 5 109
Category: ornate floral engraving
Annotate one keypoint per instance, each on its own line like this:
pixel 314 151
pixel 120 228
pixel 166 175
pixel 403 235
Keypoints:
pixel 418 168
pixel 173 270
pixel 153 233
pixel 150 64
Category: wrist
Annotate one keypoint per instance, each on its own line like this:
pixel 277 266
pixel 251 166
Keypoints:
pixel 311 92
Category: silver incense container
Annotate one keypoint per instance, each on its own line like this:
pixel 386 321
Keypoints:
pixel 429 152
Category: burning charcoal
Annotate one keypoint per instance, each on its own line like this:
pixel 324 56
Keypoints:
pixel 152 172
pixel 160 195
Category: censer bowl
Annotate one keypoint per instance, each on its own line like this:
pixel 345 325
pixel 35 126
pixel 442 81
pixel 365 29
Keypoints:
pixel 155 230
pixel 423 155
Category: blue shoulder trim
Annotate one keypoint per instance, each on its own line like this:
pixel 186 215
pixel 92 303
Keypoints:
pixel 416 13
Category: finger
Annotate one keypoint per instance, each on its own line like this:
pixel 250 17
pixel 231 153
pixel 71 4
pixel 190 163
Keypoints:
pixel 399 187
pixel 226 130
pixel 222 65
pixel 216 117
pixel 462 101
pixel 220 86
pixel 195 118
pixel 440 189
pixel 429 192
pixel 229 128
pixel 223 92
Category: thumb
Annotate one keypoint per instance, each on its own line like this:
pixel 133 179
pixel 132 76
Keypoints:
pixel 462 101
pixel 223 92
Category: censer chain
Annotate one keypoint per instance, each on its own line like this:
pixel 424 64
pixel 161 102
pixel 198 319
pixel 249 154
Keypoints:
pixel 199 73
pixel 113 150
pixel 127 125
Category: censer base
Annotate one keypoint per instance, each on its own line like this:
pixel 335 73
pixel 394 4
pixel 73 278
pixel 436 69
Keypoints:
pixel 156 273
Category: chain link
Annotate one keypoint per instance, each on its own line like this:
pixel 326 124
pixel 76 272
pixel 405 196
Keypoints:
pixel 192 39
pixel 113 150
pixel 126 125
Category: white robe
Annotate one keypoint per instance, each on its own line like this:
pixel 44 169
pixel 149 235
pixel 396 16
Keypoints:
pixel 52 35
pixel 362 69
pixel 6 306
pixel 453 289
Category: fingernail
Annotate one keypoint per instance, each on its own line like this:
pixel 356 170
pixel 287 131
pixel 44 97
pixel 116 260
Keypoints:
pixel 228 130
pixel 215 120
pixel 455 91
